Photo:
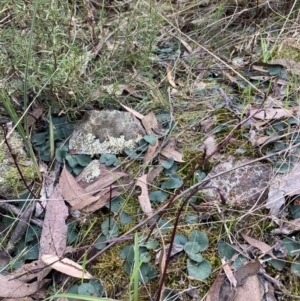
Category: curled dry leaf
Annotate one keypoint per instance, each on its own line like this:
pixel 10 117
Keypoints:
pixel 66 266
pixel 170 76
pixel 144 196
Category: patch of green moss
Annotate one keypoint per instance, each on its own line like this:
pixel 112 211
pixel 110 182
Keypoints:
pixel 238 141
pixel 288 52
pixel 13 179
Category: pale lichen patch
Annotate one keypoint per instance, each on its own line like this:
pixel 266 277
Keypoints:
pixel 91 172
pixel 90 145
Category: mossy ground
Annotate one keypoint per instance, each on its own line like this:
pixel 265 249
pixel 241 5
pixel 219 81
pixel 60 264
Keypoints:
pixel 80 48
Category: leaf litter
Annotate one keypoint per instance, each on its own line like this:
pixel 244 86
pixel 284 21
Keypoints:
pixel 91 196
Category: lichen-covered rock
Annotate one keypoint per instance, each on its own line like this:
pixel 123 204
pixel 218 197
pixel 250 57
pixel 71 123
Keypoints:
pixel 247 185
pixel 11 183
pixel 106 132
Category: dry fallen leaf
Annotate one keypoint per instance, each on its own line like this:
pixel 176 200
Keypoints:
pixel 149 156
pixel 29 271
pixel 248 285
pixel 73 193
pixel 251 290
pixel 144 197
pixel 265 248
pixel 169 151
pixel 287 227
pixel 214 292
pixel 153 173
pixel 34 115
pixel 14 288
pixel 135 113
pixel 250 269
pixel 170 76
pixel 271 113
pixel 103 198
pixel 54 233
pixel 229 272
pixel 66 266
pixel 150 122
pixel 105 179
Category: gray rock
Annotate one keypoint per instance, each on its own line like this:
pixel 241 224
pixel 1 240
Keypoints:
pixel 108 132
pixel 243 186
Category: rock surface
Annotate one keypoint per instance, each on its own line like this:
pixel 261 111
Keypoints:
pixel 243 186
pixel 108 132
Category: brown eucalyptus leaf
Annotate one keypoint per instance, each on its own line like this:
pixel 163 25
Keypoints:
pixel 29 271
pixel 144 197
pixel 73 193
pixel 265 248
pixel 169 151
pixel 214 292
pixel 149 123
pixel 66 266
pixel 250 269
pixel 250 290
pixel 54 233
pixel 135 113
pixel 153 173
pixel 14 288
pixel 103 198
pixel 149 156
pixel 105 179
